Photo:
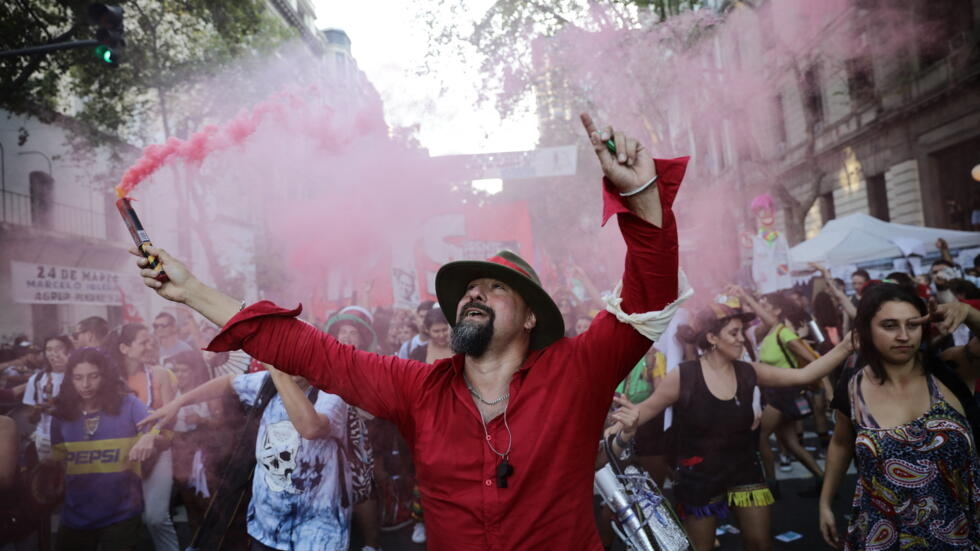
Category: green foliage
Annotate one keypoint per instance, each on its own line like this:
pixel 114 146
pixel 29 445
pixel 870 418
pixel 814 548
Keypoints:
pixel 171 45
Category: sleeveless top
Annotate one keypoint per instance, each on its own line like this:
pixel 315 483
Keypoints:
pixel 719 435
pixel 918 483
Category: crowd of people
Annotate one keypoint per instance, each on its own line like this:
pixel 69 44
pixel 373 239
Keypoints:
pixel 479 415
pixel 75 407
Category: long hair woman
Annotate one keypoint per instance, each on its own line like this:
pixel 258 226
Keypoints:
pixel 135 351
pixel 907 430
pixel 94 433
pixel 717 410
pixel 43 386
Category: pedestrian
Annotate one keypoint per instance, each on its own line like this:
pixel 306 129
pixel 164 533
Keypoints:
pixel 193 433
pixel 134 350
pixel 166 334
pixel 354 327
pixel 717 412
pixel 438 331
pixel 903 419
pixel 42 388
pixel 783 348
pixel 503 452
pixel 91 332
pixel 94 434
pixel 298 499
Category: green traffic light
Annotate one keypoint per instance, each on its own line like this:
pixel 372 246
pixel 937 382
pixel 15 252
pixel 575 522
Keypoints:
pixel 104 53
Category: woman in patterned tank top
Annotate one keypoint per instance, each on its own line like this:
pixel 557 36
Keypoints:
pixel 918 474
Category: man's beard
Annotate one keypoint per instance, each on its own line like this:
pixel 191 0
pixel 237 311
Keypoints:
pixel 472 338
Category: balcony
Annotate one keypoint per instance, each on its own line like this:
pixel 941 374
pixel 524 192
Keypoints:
pixel 18 209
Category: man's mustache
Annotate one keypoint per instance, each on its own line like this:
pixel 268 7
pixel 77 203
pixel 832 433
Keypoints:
pixel 475 305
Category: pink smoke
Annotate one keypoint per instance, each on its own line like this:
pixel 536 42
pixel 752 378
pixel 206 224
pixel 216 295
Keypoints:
pixel 205 142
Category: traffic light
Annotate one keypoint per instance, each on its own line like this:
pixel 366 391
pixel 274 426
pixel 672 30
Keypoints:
pixel 109 20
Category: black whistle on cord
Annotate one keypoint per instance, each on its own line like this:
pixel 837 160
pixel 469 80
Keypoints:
pixel 140 237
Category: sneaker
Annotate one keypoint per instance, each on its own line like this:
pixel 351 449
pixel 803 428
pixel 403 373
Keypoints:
pixel 785 464
pixel 418 533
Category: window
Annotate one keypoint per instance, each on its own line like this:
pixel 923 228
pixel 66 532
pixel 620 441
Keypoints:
pixel 779 119
pixel 860 80
pixel 42 198
pixel 878 197
pixel 812 94
pixel 943 25
pixel 827 211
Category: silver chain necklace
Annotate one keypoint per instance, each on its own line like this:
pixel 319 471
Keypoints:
pixel 480 398
pixel 504 468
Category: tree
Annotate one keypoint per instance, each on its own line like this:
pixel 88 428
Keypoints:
pixel 170 45
pixel 173 47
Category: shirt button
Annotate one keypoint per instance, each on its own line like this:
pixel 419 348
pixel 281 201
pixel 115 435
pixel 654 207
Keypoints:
pixel 489 438
pixel 488 483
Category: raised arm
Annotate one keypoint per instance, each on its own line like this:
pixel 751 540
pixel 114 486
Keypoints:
pixel 665 395
pixel 838 295
pixel 308 422
pixel 381 385
pixel 951 315
pixel 211 390
pixel 640 191
pixel 768 319
pixel 768 375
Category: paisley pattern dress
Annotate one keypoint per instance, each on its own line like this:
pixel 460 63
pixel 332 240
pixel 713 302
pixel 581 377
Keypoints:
pixel 918 483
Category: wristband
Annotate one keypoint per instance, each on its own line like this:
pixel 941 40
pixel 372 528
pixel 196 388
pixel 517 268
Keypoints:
pixel 641 188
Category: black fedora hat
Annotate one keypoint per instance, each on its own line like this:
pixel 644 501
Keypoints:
pixel 508 267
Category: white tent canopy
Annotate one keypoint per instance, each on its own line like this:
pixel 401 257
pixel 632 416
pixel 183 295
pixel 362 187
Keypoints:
pixel 858 238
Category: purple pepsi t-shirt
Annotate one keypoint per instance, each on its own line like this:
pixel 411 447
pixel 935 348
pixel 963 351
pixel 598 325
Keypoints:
pixel 102 486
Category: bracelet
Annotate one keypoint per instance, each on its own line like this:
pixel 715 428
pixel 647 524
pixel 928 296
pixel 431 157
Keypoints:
pixel 641 188
pixel 154 431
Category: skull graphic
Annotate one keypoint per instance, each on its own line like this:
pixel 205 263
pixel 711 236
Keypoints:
pixel 278 456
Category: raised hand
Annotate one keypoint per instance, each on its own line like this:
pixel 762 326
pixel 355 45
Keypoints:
pixel 823 271
pixel 630 167
pixel 946 316
pixel 180 278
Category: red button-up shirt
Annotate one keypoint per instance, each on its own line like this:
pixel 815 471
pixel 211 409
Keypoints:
pixel 558 403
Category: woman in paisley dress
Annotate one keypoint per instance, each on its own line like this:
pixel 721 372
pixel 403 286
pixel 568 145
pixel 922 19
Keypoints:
pixel 918 474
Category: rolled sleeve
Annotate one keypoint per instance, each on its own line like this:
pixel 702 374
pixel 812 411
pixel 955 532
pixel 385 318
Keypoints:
pixel 385 386
pixel 650 277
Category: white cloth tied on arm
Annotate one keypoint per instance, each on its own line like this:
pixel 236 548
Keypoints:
pixel 650 324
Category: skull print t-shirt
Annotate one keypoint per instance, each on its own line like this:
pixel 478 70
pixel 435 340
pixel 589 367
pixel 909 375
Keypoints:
pixel 296 490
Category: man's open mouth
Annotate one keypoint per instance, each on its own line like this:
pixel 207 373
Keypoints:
pixel 474 312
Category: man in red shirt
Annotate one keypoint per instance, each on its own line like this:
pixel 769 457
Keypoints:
pixel 505 432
